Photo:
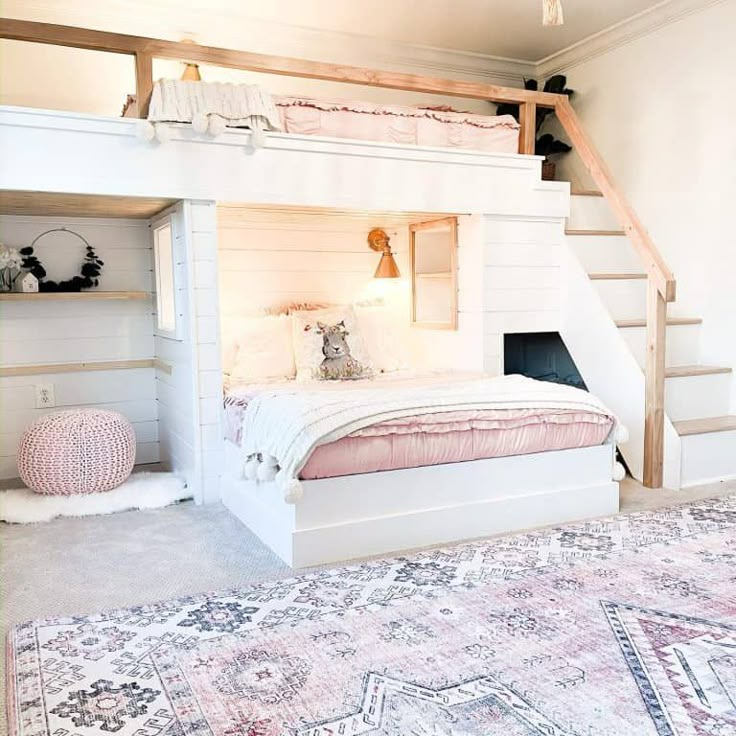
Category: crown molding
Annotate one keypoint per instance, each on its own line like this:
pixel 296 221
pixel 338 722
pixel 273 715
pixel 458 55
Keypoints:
pixel 648 21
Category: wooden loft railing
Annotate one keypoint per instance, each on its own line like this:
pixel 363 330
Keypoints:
pixel 661 281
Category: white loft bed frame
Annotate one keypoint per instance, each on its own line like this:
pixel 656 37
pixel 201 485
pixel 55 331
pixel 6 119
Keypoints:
pixel 376 513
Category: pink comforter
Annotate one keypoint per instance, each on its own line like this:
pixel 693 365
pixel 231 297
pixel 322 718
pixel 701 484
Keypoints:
pixel 397 124
pixel 447 437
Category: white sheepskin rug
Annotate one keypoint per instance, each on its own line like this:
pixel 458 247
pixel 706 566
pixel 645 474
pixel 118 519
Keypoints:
pixel 140 491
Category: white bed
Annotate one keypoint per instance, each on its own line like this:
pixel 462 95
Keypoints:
pixel 368 513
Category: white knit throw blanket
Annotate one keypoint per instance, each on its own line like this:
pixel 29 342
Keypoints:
pixel 281 430
pixel 212 106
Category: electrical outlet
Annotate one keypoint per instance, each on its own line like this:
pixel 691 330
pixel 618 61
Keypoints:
pixel 45 397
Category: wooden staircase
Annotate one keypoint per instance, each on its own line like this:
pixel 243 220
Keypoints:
pixel 696 394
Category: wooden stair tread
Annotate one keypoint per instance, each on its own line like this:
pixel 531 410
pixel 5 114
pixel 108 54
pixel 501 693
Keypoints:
pixel 616 233
pixel 616 276
pixel 671 322
pixel 705 426
pixel 575 192
pixel 681 371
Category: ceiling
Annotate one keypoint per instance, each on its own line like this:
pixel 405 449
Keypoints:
pixel 504 28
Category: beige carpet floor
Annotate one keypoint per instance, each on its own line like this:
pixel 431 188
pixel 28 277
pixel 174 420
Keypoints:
pixel 76 566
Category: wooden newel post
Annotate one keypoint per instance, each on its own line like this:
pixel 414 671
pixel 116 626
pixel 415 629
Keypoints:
pixel 528 122
pixel 654 396
pixel 143 81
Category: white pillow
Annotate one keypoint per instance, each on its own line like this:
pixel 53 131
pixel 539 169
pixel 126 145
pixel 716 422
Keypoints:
pixel 328 346
pixel 384 337
pixel 265 349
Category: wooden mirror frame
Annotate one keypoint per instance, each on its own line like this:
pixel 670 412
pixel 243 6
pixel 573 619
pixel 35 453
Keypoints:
pixel 442 224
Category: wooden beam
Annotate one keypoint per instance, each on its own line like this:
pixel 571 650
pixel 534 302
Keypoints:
pixel 143 81
pixel 84 38
pixel 654 264
pixel 528 132
pixel 654 391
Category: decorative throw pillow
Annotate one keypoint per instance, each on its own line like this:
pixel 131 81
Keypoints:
pixel 328 346
pixel 385 337
pixel 265 349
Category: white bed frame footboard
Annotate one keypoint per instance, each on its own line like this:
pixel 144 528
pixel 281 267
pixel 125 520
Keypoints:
pixel 375 513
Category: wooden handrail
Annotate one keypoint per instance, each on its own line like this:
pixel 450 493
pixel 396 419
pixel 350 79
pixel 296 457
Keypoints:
pixel 141 46
pixel 654 264
pixel 662 285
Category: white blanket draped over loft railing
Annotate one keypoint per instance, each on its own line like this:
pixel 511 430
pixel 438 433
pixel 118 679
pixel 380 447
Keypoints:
pixel 211 107
pixel 281 430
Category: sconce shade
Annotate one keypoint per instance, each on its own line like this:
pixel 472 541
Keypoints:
pixel 191 73
pixel 387 268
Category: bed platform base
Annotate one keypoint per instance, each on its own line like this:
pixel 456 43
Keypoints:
pixel 377 513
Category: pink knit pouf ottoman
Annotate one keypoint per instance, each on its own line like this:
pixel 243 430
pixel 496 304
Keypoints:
pixel 77 451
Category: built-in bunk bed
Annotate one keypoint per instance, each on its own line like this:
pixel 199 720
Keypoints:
pixel 337 449
pixel 353 428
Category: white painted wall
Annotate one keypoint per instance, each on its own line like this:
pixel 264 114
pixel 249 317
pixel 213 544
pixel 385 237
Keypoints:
pixel 72 331
pixel 659 109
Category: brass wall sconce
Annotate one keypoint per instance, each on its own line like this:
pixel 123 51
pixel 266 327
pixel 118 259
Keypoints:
pixel 378 240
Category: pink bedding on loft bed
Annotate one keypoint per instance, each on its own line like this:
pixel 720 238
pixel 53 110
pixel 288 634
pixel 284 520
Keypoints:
pixel 436 439
pixel 433 127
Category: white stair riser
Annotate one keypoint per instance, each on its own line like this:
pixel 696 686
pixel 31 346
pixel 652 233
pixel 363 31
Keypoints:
pixel 697 397
pixel 591 213
pixel 708 457
pixel 624 299
pixel 682 344
pixel 605 253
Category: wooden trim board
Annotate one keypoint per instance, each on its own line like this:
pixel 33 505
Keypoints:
pixel 706 425
pixel 48 368
pixel 671 322
pixel 683 371
pixel 42 296
pixel 612 233
pixel 617 276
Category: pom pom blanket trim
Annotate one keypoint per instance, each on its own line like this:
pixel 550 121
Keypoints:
pixel 212 106
pixel 140 491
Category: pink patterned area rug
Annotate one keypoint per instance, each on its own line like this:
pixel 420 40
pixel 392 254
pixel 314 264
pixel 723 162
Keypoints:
pixel 616 627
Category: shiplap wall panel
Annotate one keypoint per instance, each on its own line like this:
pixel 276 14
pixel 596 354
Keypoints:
pixel 69 331
pixel 523 280
pixel 190 398
pixel 203 218
pixel 175 390
pixel 272 258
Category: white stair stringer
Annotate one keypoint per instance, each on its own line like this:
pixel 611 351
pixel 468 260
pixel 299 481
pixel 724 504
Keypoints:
pixel 610 370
